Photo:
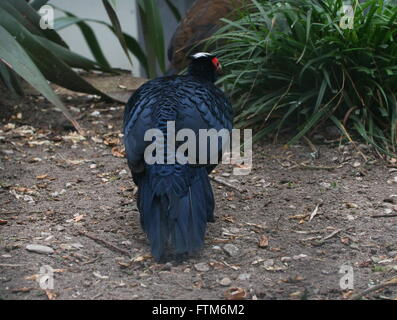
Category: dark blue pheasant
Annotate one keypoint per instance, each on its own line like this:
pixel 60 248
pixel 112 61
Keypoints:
pixel 175 201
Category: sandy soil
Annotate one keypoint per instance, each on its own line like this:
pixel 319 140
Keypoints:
pixel 298 220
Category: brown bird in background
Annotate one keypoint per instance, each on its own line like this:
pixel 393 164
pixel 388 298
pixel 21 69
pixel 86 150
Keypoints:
pixel 201 21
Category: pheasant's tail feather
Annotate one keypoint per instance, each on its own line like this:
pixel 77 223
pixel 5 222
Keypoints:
pixel 174 221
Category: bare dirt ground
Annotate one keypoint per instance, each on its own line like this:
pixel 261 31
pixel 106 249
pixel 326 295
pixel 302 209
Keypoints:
pixel 286 236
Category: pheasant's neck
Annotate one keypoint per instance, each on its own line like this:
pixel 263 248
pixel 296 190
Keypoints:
pixel 202 71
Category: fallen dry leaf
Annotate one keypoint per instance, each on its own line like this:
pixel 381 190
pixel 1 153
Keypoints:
pixel 314 213
pixel 263 242
pixel 118 152
pixel 50 294
pixel 345 240
pixel 21 290
pixel 42 177
pixel 299 216
pixel 111 141
pixel 348 294
pixel 141 258
pixel 235 294
pixel 78 218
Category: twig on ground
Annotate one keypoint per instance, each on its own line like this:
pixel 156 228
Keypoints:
pixel 225 183
pixel 389 283
pixel 384 216
pixel 107 244
pixel 333 234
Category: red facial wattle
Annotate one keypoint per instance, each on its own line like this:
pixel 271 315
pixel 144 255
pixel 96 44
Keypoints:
pixel 216 64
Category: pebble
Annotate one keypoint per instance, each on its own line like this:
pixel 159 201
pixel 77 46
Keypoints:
pixel 392 253
pixel 66 246
pixel 39 248
pixel 300 256
pixel 77 245
pixel 244 276
pixel 286 259
pixel 231 249
pixel 202 267
pixel 59 228
pixel 268 263
pixel 123 172
pixel 392 180
pixel 326 185
pixel 225 282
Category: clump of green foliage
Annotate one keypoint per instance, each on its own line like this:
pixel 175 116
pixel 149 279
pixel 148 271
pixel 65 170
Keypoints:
pixel 293 64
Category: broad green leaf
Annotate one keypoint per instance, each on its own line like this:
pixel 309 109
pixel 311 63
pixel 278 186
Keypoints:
pixel 72 59
pixel 117 27
pixel 153 31
pixel 132 44
pixel 13 54
pixel 88 35
pixel 54 69
pixel 28 16
pixel 37 4
pixel 174 10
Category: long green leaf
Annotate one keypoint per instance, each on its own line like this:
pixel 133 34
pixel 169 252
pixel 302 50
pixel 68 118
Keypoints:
pixel 132 44
pixel 174 10
pixel 13 54
pixel 153 31
pixel 72 59
pixel 53 68
pixel 88 35
pixel 10 80
pixel 26 15
pixel 37 4
pixel 117 27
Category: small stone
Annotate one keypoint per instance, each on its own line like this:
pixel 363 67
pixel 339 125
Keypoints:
pixel 286 259
pixel 392 180
pixel 300 256
pixel 59 228
pixel 244 276
pixel 268 263
pixel 66 246
pixel 93 166
pixel 39 249
pixel 123 172
pixel 392 254
pixel 351 205
pixel 77 245
pixel 231 249
pixel 225 282
pixel 202 267
pixel 356 164
pixel 326 185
